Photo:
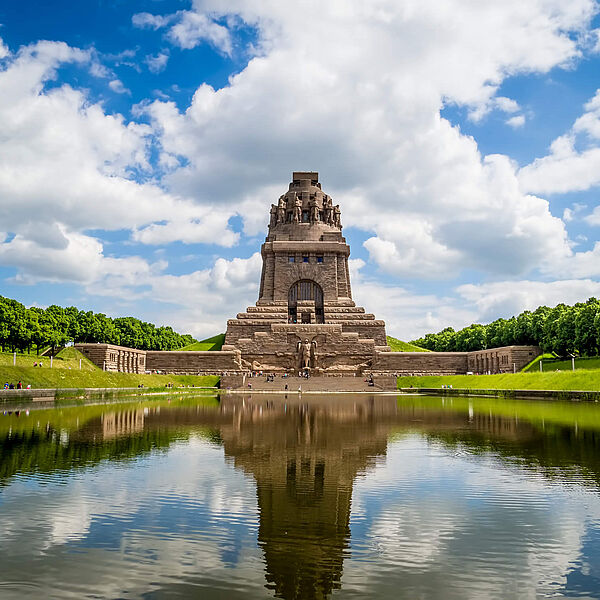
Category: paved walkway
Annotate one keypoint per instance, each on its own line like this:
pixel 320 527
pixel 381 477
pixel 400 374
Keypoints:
pixel 313 384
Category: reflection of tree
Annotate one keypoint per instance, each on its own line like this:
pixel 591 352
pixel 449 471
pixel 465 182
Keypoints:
pixel 557 450
pixel 304 459
pixel 111 432
pixel 45 452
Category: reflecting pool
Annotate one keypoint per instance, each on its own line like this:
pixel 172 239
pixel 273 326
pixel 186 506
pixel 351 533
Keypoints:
pixel 314 497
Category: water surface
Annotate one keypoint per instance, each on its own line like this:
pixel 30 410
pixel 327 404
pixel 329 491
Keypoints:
pixel 340 496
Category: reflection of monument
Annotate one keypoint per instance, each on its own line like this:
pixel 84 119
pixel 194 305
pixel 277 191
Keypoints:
pixel 304 459
pixel 122 423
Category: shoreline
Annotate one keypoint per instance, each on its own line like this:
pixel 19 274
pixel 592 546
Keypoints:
pixel 52 395
pixel 524 394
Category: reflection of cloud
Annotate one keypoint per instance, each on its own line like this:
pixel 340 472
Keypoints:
pixel 462 526
pixel 69 525
pixel 176 516
pixel 412 535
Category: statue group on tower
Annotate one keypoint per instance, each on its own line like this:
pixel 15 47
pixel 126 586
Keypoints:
pixel 289 209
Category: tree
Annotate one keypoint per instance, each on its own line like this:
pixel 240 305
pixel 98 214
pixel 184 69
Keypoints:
pixel 471 338
pixel 586 336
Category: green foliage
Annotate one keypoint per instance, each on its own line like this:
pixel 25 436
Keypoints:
pixel 209 344
pixel 400 346
pixel 562 330
pixel 22 328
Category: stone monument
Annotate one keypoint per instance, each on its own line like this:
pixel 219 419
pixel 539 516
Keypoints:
pixel 305 299
pixel 305 320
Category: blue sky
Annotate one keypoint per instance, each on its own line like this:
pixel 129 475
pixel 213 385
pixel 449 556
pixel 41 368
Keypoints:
pixel 142 143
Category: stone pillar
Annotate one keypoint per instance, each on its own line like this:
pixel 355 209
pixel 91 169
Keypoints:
pixel 342 288
pixel 348 288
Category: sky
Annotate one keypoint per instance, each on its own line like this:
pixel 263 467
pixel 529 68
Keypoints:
pixel 143 141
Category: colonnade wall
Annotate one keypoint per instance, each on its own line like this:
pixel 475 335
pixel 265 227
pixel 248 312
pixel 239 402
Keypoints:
pixel 507 359
pixel 495 360
pixel 130 360
pixel 111 357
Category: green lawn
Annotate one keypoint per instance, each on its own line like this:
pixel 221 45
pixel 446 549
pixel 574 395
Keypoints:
pixel 556 380
pixel 65 373
pixel 400 346
pixel 213 343
pixel 551 364
pixel 67 358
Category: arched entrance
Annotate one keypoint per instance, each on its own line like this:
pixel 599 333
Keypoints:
pixel 310 292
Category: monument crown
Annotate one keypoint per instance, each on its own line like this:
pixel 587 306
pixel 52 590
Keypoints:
pixel 302 207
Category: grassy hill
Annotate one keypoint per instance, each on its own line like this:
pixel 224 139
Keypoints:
pixel 400 346
pixel 65 373
pixel 213 343
pixel 582 379
pixel 550 363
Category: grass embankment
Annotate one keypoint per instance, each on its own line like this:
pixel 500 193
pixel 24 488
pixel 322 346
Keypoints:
pixel 210 344
pixel 550 363
pixel 400 346
pixel 65 373
pixel 588 380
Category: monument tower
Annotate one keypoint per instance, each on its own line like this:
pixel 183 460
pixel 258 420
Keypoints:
pixel 305 316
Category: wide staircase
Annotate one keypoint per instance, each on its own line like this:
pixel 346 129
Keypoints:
pixel 312 384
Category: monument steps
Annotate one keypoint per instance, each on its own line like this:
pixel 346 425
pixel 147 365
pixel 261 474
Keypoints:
pixel 312 384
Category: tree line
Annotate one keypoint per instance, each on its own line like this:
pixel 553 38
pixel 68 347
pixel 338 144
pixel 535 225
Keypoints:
pixel 563 330
pixel 24 329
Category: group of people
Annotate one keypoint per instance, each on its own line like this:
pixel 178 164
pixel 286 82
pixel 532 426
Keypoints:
pixel 40 364
pixel 19 386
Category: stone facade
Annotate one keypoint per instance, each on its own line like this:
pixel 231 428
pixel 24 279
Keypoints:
pixel 128 360
pixel 496 360
pixel 507 359
pixel 193 363
pixel 115 358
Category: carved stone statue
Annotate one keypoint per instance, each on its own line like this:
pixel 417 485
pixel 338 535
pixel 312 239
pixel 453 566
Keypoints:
pixel 337 216
pixel 307 350
pixel 314 211
pixel 327 210
pixel 298 210
pixel 281 210
pixel 273 221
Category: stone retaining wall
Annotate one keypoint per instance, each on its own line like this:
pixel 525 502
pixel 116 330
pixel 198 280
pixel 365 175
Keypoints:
pixel 421 363
pixel 193 363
